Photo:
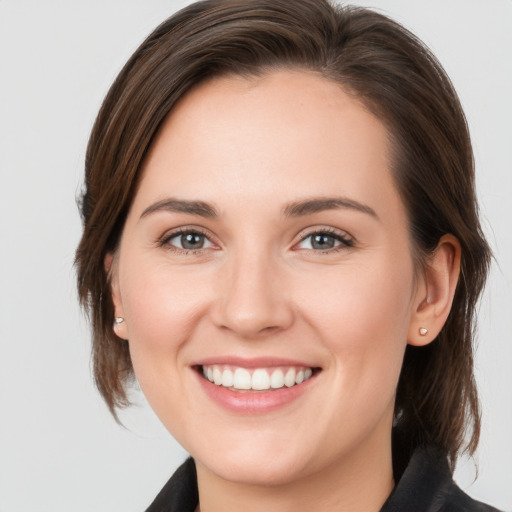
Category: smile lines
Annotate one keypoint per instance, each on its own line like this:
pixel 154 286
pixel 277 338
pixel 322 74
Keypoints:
pixel 241 379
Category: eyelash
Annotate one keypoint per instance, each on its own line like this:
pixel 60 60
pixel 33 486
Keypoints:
pixel 345 240
pixel 164 240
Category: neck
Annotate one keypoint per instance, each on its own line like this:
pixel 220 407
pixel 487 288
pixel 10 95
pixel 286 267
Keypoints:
pixel 359 482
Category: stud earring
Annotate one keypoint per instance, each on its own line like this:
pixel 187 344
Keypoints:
pixel 118 320
pixel 423 331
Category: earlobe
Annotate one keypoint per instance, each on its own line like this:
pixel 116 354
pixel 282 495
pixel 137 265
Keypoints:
pixel 119 325
pixel 434 296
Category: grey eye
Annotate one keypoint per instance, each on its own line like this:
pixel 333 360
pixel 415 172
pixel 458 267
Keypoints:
pixel 323 241
pixel 190 241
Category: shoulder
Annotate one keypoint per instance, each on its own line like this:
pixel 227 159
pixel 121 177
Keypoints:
pixel 455 500
pixel 180 493
pixel 426 485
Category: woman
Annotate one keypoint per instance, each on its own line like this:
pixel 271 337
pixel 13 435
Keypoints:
pixel 281 243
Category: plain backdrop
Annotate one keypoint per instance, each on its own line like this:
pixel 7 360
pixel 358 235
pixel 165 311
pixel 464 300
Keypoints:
pixel 60 450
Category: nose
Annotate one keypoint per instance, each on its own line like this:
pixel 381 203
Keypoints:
pixel 252 298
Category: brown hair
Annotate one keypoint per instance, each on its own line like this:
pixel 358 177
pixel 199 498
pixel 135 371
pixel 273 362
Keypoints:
pixel 397 78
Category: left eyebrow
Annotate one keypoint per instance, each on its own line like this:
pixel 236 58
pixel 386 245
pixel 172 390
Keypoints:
pixel 320 204
pixel 200 208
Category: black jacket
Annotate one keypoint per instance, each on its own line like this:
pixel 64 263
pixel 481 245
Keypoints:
pixel 425 485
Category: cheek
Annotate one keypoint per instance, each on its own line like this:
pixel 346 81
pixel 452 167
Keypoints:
pixel 363 316
pixel 162 307
pixel 367 298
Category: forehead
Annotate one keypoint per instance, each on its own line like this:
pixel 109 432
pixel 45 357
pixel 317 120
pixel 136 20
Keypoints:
pixel 291 132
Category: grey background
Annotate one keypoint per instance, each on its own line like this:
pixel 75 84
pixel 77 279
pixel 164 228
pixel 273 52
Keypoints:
pixel 60 450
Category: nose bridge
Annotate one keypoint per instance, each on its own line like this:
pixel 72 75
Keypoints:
pixel 252 299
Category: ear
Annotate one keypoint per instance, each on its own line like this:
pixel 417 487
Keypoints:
pixel 111 267
pixel 435 291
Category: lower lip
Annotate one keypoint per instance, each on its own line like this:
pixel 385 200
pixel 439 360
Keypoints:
pixel 253 402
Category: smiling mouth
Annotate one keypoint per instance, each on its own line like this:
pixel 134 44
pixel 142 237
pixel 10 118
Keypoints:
pixel 256 379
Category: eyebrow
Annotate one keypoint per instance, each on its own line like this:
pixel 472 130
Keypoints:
pixel 200 208
pixel 320 204
pixel 295 209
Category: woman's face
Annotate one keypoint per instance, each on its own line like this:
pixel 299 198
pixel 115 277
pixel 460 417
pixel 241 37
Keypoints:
pixel 267 244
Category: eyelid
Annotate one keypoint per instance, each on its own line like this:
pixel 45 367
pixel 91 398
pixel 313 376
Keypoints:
pixel 181 230
pixel 346 240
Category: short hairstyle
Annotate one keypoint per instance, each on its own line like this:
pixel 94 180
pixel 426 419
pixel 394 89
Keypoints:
pixel 394 76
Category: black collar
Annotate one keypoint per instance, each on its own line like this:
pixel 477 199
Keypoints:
pixel 426 485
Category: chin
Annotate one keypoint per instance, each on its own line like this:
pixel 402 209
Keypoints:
pixel 280 469
pixel 273 461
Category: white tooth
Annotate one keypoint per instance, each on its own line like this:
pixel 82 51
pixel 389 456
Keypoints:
pixel 289 378
pixel 277 379
pixel 300 377
pixel 217 376
pixel 308 373
pixel 242 379
pixel 205 372
pixel 260 380
pixel 210 374
pixel 227 378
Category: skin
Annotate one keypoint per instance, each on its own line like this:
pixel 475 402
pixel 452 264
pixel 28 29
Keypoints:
pixel 257 287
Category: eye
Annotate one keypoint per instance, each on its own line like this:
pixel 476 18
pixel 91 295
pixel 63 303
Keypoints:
pixel 324 241
pixel 188 240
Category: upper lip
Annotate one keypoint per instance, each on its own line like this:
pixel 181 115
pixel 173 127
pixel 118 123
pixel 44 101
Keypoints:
pixel 253 362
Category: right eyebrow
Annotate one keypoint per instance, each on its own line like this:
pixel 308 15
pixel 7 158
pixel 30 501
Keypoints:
pixel 200 208
pixel 320 204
